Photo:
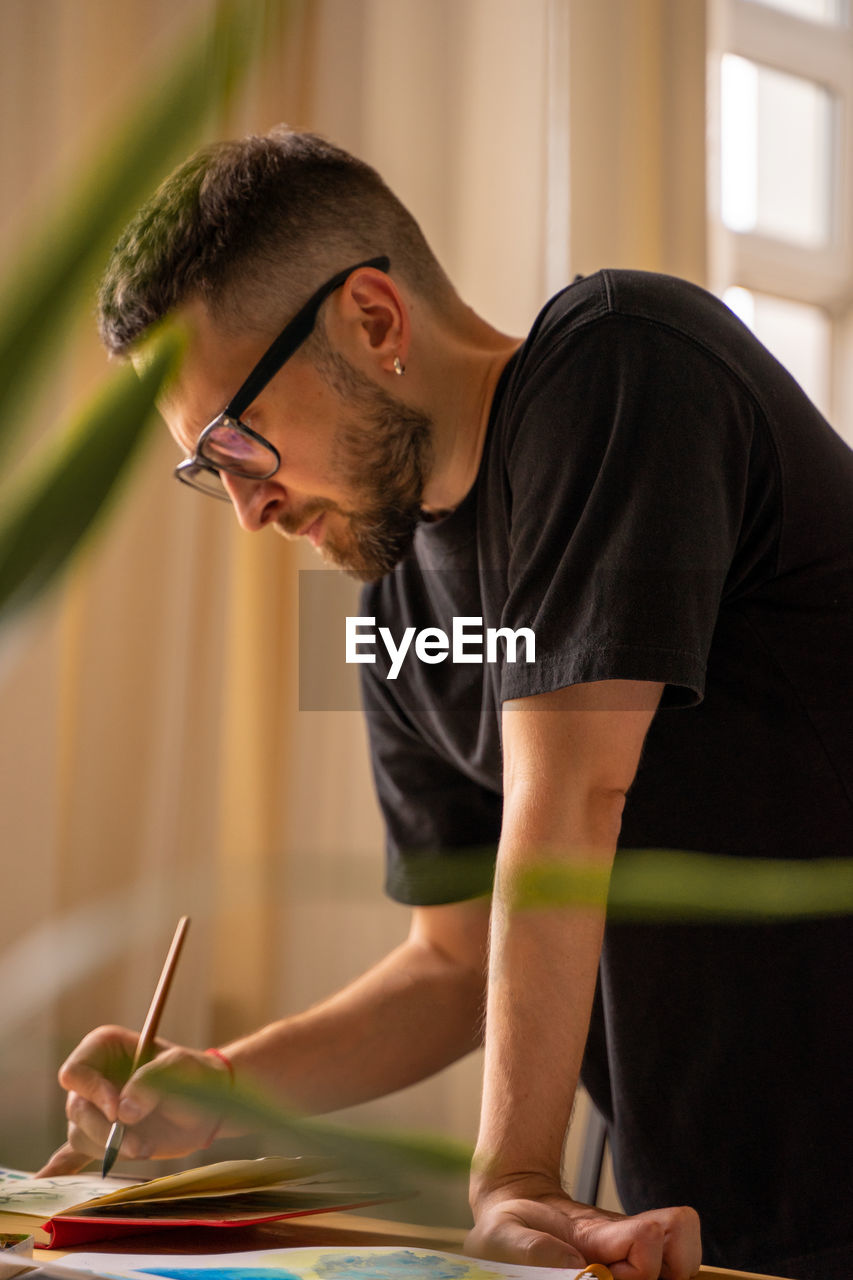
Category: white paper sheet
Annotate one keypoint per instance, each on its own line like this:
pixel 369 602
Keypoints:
pixel 347 1262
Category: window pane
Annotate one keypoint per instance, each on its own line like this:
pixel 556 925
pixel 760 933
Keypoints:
pixel 776 147
pixel 830 11
pixel 799 335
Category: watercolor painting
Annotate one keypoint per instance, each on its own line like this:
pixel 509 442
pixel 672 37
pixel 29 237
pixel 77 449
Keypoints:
pixel 321 1263
pixel 335 1264
pixel 22 1193
pixel 326 1264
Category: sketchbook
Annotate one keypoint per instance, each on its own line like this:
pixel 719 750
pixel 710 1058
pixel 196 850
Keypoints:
pixel 383 1262
pixel 66 1211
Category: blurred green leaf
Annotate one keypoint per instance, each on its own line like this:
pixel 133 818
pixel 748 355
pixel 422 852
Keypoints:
pixel 69 482
pixel 380 1159
pixel 56 270
pixel 62 493
pixel 667 884
pixel 551 884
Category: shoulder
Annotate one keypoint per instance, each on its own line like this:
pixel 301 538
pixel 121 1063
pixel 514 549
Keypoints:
pixel 638 303
pixel 627 346
pixel 642 326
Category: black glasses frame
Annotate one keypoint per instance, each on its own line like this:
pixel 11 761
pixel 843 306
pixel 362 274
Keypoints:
pixel 276 355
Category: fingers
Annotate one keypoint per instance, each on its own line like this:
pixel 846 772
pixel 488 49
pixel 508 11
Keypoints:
pixel 633 1248
pixel 98 1067
pixel 683 1244
pixel 94 1075
pixel 89 1129
pixel 149 1086
pixel 666 1243
pixel 163 1124
pixel 136 1101
pixel 86 1082
pixel 97 1071
pixel 662 1242
pixel 554 1231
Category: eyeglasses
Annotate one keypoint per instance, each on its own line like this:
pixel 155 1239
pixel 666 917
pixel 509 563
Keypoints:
pixel 226 443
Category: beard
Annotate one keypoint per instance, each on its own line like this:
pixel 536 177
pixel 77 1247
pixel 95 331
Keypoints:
pixel 382 455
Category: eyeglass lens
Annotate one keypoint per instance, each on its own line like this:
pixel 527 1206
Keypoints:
pixel 229 448
pixel 208 482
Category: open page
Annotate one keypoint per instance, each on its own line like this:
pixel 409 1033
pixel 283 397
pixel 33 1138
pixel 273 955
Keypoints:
pixel 43 1198
pixel 40 1198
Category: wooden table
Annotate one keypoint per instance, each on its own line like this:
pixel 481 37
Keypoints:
pixel 320 1229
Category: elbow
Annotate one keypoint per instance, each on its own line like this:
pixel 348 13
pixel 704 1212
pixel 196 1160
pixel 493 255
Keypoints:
pixel 604 807
pixel 580 823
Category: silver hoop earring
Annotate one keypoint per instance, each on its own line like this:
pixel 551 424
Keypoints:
pixel 399 367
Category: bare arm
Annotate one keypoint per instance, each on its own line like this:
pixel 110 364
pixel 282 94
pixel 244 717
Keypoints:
pixel 370 1038
pixel 569 759
pixel 367 1040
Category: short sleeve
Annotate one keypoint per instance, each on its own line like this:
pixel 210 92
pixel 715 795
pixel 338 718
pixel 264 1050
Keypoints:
pixel 442 827
pixel 627 469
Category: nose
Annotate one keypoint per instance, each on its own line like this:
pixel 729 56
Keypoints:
pixel 256 502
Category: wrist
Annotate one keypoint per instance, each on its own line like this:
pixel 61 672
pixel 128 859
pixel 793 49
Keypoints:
pixel 222 1057
pixel 224 1064
pixel 490 1184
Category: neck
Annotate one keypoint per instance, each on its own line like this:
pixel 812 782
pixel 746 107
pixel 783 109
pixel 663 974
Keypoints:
pixel 456 362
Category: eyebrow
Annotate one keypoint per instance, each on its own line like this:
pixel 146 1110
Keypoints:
pixel 184 430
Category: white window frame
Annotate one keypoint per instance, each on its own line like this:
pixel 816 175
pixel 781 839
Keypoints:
pixel 821 276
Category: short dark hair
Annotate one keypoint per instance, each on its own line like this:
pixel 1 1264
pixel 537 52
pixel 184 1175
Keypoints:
pixel 252 227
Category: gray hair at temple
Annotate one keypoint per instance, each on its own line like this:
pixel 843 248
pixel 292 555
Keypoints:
pixel 252 227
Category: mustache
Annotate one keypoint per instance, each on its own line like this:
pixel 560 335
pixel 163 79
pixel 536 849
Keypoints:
pixel 292 523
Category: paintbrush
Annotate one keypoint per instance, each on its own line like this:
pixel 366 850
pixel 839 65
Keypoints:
pixel 147 1034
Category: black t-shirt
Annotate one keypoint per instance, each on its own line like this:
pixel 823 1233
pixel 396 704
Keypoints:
pixel 658 500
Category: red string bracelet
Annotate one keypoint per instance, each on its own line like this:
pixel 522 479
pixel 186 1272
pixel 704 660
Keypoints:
pixel 229 1066
pixel 217 1053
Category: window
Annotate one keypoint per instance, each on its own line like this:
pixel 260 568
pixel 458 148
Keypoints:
pixel 831 11
pixel 799 334
pixel 780 175
pixel 776 153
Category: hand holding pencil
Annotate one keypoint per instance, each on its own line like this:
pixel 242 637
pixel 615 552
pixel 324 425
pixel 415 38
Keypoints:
pixel 106 1085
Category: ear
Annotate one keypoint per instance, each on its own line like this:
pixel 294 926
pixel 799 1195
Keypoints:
pixel 372 318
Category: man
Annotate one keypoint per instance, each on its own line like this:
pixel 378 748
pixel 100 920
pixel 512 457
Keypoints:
pixel 642 487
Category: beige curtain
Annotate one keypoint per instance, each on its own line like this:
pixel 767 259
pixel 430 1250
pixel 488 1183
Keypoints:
pixel 638 130
pixel 153 757
pixel 146 708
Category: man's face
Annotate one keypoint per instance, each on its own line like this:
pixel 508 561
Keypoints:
pixel 353 458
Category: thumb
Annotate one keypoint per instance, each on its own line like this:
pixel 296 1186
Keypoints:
pixel 511 1238
pixel 539 1249
pixel 139 1097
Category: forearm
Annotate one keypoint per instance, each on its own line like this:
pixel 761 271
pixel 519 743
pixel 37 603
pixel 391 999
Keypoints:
pixel 565 780
pixel 542 976
pixel 413 1013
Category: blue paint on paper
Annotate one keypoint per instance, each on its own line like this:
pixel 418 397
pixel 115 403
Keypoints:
pixel 222 1273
